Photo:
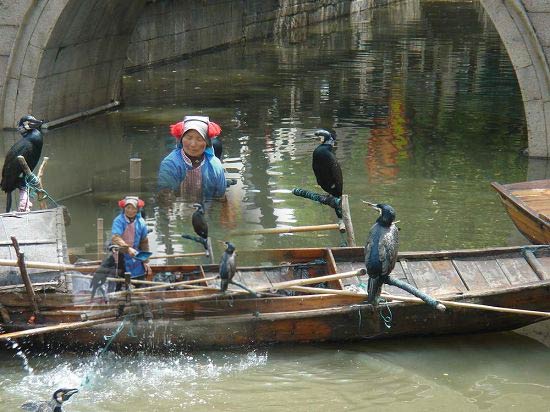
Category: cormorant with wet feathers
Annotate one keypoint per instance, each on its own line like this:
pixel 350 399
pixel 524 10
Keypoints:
pixel 53 405
pixel 30 147
pixel 325 165
pixel 228 266
pixel 381 250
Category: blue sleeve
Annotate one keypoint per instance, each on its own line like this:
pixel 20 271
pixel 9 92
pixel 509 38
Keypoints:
pixel 142 229
pixel 170 173
pixel 214 183
pixel 118 226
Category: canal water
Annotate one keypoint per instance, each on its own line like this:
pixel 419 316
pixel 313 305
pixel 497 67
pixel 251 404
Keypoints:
pixel 427 111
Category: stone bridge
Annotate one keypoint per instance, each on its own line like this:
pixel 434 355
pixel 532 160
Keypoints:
pixel 62 59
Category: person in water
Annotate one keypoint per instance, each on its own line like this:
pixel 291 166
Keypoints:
pixel 129 233
pixel 192 169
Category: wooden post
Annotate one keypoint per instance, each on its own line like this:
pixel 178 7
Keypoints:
pixel 135 168
pixel 346 216
pixel 99 238
pixel 25 275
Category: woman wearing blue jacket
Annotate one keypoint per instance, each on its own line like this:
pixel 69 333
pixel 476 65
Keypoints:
pixel 191 169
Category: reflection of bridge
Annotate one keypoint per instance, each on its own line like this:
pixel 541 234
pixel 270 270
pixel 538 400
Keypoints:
pixel 64 57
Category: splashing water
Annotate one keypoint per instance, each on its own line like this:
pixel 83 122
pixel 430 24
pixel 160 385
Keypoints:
pixel 13 345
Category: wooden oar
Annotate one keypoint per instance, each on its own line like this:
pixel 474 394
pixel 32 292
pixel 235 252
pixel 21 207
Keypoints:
pixel 417 300
pixel 287 229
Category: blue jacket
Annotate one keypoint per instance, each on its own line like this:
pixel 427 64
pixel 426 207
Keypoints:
pixel 173 170
pixel 134 266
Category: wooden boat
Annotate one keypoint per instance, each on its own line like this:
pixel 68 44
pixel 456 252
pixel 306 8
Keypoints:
pixel 528 204
pixel 516 277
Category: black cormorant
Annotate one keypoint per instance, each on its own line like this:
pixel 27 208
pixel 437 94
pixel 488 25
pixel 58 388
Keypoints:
pixel 112 266
pixel 30 147
pixel 228 266
pixel 53 405
pixel 381 250
pixel 325 165
pixel 200 226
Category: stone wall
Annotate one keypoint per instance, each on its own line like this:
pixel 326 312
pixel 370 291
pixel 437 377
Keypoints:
pixel 171 29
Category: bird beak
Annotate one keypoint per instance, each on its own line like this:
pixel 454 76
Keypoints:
pixel 195 206
pixel 69 393
pixel 373 205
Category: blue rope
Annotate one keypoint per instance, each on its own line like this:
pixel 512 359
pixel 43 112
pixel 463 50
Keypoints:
pixel 386 319
pixel 32 182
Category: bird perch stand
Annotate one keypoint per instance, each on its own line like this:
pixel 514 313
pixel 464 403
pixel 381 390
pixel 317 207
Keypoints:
pixel 205 242
pixel 341 206
pixel 28 172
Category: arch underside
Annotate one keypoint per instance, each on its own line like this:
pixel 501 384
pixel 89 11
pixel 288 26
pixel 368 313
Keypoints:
pixel 68 57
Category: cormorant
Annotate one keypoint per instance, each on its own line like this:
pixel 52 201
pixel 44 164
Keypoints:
pixel 381 250
pixel 30 147
pixel 110 267
pixel 228 267
pixel 217 145
pixel 325 165
pixel 200 226
pixel 53 405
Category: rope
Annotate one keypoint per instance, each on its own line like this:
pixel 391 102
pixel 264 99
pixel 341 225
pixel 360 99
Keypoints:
pixel 35 191
pixel 386 319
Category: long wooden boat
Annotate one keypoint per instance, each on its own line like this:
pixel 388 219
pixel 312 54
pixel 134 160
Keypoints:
pixel 513 277
pixel 528 204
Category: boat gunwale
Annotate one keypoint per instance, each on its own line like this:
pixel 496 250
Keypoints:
pixel 505 191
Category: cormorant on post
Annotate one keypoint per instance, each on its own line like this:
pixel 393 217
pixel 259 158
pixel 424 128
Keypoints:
pixel 53 405
pixel 325 165
pixel 228 266
pixel 30 147
pixel 381 250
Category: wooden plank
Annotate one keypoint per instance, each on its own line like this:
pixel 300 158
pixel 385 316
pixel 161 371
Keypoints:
pixel 518 271
pixel 492 273
pixel 448 275
pixel 545 262
pixel 424 276
pixel 253 279
pixel 470 274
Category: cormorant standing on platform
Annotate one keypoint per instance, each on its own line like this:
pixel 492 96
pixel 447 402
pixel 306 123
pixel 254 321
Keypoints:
pixel 200 226
pixel 228 266
pixel 325 165
pixel 112 266
pixel 381 250
pixel 53 405
pixel 30 147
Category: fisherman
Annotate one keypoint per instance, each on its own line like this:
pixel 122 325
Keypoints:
pixel 129 233
pixel 191 169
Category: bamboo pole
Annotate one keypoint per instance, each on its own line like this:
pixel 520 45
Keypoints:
pixel 535 264
pixel 25 276
pixel 166 285
pixel 100 235
pixel 346 216
pixel 449 303
pixel 177 255
pixel 287 229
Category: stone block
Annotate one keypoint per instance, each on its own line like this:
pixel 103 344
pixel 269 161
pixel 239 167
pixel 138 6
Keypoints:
pixel 541 24
pixel 7 38
pixel 536 126
pixel 528 83
pixel 25 91
pixel 537 6
pixel 13 12
pixel 33 57
pixel 10 93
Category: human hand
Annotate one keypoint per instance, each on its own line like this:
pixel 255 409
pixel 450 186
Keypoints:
pixel 132 252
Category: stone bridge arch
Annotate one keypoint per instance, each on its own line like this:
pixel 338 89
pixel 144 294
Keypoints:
pixel 524 27
pixel 63 56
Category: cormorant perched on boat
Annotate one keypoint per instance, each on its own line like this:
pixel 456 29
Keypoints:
pixel 217 145
pixel 325 165
pixel 30 147
pixel 228 266
pixel 112 266
pixel 381 250
pixel 200 226
pixel 53 405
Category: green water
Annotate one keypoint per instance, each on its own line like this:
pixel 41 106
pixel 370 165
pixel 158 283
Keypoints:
pixel 428 112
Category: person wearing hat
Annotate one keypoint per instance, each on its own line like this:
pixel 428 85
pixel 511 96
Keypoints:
pixel 129 233
pixel 192 169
